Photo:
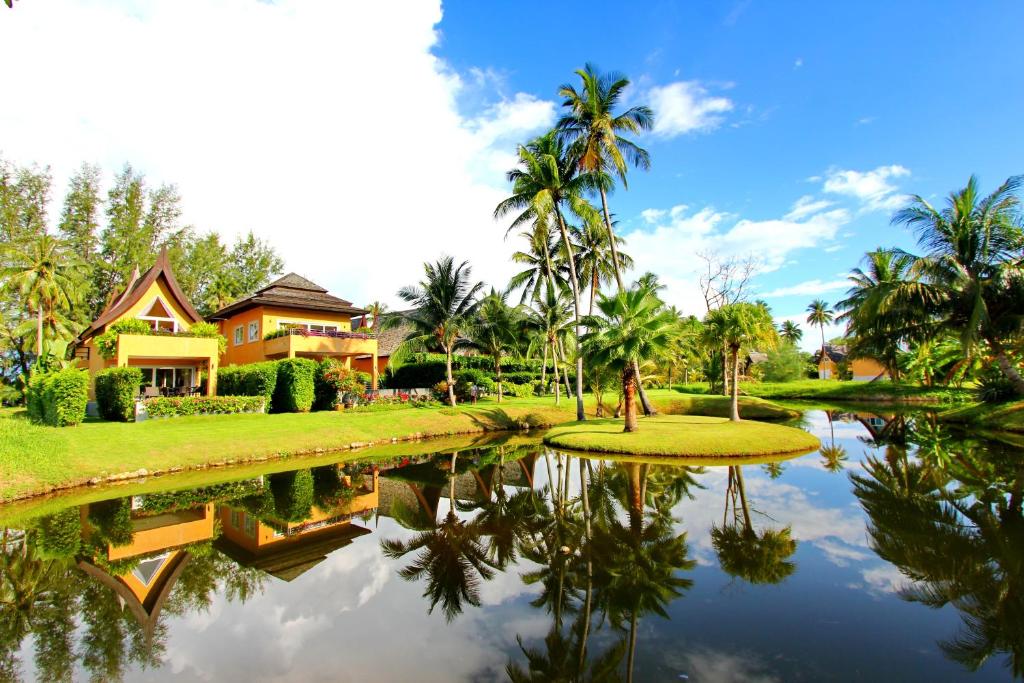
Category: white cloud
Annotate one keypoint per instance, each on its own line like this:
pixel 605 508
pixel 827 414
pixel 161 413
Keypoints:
pixel 267 118
pixel 686 107
pixel 872 188
pixel 809 287
pixel 799 62
pixel 807 205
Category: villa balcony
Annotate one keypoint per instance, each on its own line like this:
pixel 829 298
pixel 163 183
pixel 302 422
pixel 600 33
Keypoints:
pixel 292 343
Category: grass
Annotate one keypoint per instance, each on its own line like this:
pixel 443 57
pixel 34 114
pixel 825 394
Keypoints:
pixel 871 392
pixel 682 435
pixel 1008 417
pixel 36 459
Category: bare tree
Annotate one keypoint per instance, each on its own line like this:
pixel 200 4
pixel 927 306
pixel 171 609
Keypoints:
pixel 725 280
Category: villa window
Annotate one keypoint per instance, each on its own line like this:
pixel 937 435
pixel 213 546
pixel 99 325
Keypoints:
pixel 254 331
pixel 312 327
pixel 159 317
pixel 238 335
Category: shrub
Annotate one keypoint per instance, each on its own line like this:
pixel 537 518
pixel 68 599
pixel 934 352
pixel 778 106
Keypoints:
pixel 517 390
pixel 116 389
pixel 182 406
pixel 65 397
pixel 293 494
pixel 331 380
pixel 294 391
pixel 113 521
pixel 255 379
pixel 106 343
pixel 59 536
pixel 427 369
pixel 34 396
pixel 207 331
pixel 993 386
pixel 784 364
pixel 518 377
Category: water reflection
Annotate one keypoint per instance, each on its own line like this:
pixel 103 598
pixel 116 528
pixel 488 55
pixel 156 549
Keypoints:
pixel 600 570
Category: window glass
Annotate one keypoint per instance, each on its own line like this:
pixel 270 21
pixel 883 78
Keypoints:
pixel 238 335
pixel 254 331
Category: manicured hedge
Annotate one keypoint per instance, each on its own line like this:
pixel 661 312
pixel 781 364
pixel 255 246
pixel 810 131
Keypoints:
pixel 294 391
pixel 517 390
pixel 58 398
pixel 293 494
pixel 59 536
pixel 182 406
pixel 116 390
pixel 255 379
pixel 427 369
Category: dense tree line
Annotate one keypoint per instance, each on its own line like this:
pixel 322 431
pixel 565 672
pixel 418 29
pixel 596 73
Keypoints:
pixel 58 275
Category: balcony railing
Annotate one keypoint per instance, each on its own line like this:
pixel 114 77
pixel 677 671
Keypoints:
pixel 302 332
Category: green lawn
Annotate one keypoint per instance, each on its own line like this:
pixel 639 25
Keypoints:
pixel 1007 417
pixel 35 459
pixel 682 435
pixel 871 392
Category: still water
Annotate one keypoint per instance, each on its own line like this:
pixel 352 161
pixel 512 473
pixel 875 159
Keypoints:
pixel 894 553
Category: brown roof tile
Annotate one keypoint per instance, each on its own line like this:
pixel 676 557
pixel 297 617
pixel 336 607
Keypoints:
pixel 291 291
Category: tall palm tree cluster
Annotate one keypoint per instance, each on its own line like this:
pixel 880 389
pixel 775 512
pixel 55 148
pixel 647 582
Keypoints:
pixel 958 304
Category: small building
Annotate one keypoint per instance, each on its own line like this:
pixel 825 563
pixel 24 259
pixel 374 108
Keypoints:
pixel 861 368
pixel 293 318
pixel 390 333
pixel 868 370
pixel 828 363
pixel 168 357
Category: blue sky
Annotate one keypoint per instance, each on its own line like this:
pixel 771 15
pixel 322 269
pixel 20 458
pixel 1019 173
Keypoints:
pixel 364 139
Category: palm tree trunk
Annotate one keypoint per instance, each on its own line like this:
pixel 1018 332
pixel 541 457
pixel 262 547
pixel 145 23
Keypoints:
pixel 743 499
pixel 735 402
pixel 497 372
pixel 585 496
pixel 39 333
pixel 579 314
pixel 1006 366
pixel 822 359
pixel 593 290
pixel 725 370
pixel 629 392
pixel 448 375
pixel 554 362
pixel 565 370
pixel 632 648
pixel 544 371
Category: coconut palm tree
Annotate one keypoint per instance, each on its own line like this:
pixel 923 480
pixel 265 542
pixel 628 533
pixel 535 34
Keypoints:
pixel 594 257
pixel 633 327
pixel 445 305
pixel 548 180
pixel 791 332
pixel 735 326
pixel 375 311
pixel 551 317
pixel 755 556
pixel 45 271
pixel 450 556
pixel 596 133
pixel 541 268
pixel 496 330
pixel 972 262
pixel 819 313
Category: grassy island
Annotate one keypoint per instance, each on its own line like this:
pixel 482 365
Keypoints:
pixel 682 435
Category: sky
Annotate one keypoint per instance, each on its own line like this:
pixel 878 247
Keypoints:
pixel 364 139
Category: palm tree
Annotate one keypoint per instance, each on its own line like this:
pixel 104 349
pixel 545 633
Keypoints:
pixel 541 269
pixel 882 308
pixel 597 267
pixel 551 319
pixel 595 131
pixel 450 556
pixel 375 310
pixel 547 179
pixel 973 265
pixel 445 304
pixel 819 313
pixel 791 332
pixel 634 326
pixel 738 325
pixel 45 271
pixel 496 329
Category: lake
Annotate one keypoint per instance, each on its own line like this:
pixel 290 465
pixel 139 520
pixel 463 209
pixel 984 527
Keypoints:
pixel 896 552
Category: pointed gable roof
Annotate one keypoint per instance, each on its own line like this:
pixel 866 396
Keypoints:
pixel 291 291
pixel 137 287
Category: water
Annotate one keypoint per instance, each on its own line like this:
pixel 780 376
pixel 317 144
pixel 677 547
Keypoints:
pixel 807 569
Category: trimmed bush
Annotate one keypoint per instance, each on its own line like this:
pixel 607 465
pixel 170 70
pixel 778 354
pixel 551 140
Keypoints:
pixel 293 494
pixel 58 398
pixel 183 406
pixel 106 343
pixel 207 331
pixel 517 390
pixel 255 379
pixel 59 536
pixel 294 391
pixel 116 389
pixel 427 369
pixel 330 381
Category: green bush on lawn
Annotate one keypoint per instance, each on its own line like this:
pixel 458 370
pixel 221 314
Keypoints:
pixel 295 387
pixel 255 379
pixel 116 389
pixel 183 406
pixel 58 398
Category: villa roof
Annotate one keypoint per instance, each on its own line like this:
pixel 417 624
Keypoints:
pixel 290 559
pixel 291 291
pixel 135 289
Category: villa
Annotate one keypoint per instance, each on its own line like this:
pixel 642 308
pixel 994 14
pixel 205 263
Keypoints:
pixel 294 318
pixel 861 369
pixel 168 357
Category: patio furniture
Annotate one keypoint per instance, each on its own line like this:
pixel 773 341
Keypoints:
pixel 151 392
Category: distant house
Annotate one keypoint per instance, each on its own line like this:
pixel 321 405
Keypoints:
pixel 168 358
pixel 293 318
pixel 389 338
pixel 862 369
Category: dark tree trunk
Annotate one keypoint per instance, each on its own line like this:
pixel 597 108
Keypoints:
pixel 629 394
pixel 735 402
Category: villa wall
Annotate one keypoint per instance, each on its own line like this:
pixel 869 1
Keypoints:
pixel 269 319
pixel 867 369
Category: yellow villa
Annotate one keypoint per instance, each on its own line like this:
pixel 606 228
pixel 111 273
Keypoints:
pixel 169 359
pixel 293 318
